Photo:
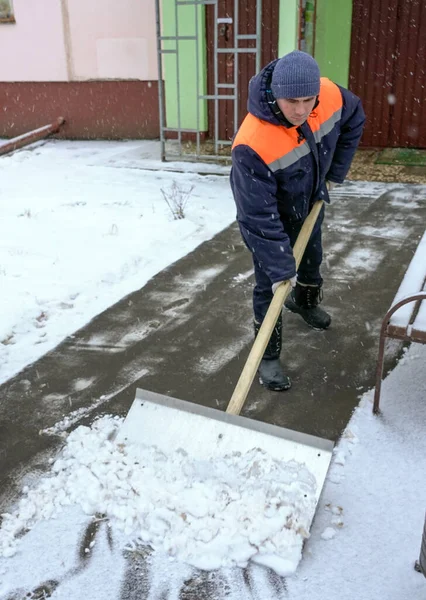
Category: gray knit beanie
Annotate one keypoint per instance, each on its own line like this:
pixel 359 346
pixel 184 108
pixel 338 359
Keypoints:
pixel 296 75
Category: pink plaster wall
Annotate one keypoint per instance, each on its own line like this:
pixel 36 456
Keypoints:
pixel 60 40
pixel 113 39
pixel 32 49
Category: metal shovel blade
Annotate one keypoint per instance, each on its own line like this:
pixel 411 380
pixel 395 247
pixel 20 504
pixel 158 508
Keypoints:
pixel 205 433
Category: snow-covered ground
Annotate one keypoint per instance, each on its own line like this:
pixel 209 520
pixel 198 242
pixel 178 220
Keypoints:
pixel 374 502
pixel 77 234
pixel 363 544
pixel 64 258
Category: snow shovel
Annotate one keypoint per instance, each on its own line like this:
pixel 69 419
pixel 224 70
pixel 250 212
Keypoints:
pixel 205 433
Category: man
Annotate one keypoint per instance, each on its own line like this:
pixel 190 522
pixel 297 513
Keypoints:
pixel 296 142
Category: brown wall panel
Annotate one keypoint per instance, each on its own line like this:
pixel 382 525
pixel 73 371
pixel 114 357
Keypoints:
pixel 387 70
pixel 409 123
pixel 371 70
pixel 92 109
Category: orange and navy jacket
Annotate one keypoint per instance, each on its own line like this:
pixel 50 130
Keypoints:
pixel 279 170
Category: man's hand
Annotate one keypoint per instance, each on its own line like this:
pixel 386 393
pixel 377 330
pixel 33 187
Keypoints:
pixel 330 185
pixel 275 285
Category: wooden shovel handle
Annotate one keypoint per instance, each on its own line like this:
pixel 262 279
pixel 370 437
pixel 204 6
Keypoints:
pixel 246 378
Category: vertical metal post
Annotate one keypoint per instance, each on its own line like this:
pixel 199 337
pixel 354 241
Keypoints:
pixel 197 74
pixel 236 66
pixel 258 35
pixel 379 368
pixel 216 89
pixel 160 79
pixel 179 127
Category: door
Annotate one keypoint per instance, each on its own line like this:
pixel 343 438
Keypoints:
pixel 245 23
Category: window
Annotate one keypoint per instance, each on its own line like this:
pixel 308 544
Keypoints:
pixel 6 11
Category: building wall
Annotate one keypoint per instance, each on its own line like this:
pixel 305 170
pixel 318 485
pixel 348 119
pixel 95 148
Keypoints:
pixel 78 41
pixel 333 39
pixel 332 35
pixel 92 62
pixel 34 44
pixel 184 72
pixel 60 40
pixel 91 109
pixel 288 26
pixel 112 40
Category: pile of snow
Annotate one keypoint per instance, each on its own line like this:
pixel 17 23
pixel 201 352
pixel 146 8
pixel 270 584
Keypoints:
pixel 209 514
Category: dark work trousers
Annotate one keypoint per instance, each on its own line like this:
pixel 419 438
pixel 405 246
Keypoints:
pixel 309 270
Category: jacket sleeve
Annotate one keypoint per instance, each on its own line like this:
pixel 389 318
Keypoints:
pixel 351 126
pixel 254 187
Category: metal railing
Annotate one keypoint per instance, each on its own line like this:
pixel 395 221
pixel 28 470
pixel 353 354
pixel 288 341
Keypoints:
pixel 174 148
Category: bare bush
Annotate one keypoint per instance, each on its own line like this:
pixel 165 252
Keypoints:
pixel 177 198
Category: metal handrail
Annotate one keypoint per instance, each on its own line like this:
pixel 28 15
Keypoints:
pixel 383 335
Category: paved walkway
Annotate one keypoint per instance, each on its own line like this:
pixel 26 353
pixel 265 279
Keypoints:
pixel 187 334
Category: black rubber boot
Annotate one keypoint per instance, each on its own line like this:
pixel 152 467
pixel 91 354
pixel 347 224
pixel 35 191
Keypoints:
pixel 270 371
pixel 304 300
